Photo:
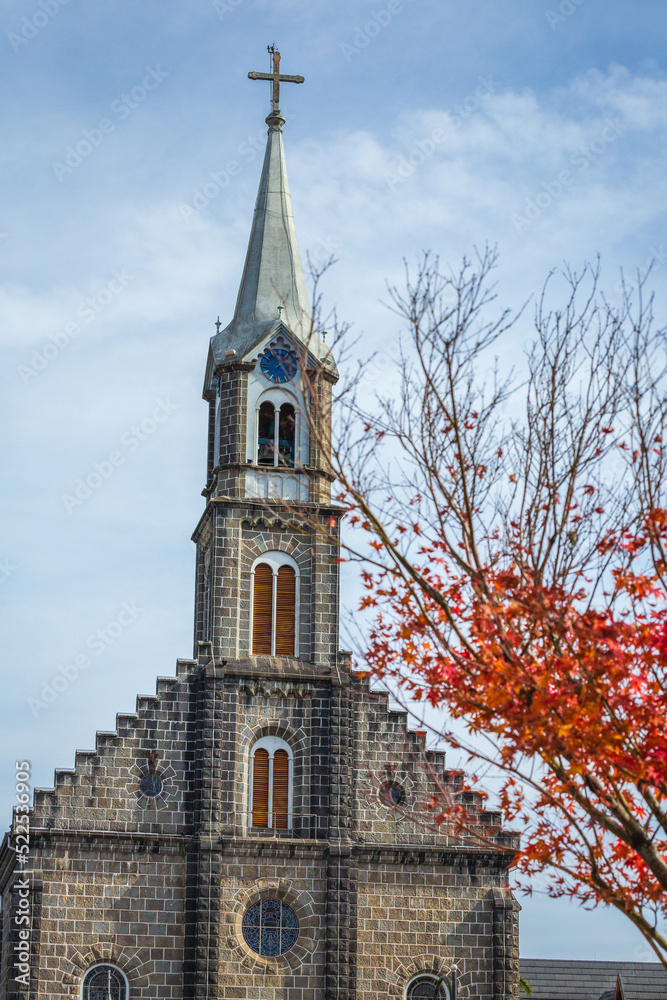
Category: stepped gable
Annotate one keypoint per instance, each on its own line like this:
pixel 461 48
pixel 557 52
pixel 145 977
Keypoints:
pixel 102 792
pixel 395 755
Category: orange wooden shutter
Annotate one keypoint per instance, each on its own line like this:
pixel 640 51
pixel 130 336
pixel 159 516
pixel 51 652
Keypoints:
pixel 285 611
pixel 280 790
pixel 260 788
pixel 262 608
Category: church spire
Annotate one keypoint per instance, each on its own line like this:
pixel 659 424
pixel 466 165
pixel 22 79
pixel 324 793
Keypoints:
pixel 273 288
pixel 273 273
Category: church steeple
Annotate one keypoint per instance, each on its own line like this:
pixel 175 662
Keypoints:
pixel 273 273
pixel 273 287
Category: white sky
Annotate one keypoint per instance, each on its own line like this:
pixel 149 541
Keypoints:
pixel 504 110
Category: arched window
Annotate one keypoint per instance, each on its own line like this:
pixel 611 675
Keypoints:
pixel 286 435
pixel 104 982
pixel 266 434
pixel 274 606
pixel 426 988
pixel 271 785
pixel 276 438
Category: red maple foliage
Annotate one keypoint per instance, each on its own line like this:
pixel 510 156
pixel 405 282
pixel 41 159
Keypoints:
pixel 513 540
pixel 572 699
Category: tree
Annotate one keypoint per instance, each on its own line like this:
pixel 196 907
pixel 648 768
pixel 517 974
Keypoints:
pixel 512 532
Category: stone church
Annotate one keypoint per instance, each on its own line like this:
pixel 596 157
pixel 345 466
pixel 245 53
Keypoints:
pixel 255 829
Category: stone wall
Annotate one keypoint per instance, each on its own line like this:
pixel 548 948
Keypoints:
pixel 160 888
pixel 119 902
pixel 297 874
pixel 415 916
pixel 102 791
pixel 229 539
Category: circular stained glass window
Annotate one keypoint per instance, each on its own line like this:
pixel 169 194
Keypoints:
pixel 391 794
pixel 151 785
pixel 270 927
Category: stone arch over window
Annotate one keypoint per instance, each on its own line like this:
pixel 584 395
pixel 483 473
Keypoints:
pixel 308 913
pixel 426 986
pixel 104 982
pixel 300 744
pixel 271 784
pixel 276 429
pixel 275 605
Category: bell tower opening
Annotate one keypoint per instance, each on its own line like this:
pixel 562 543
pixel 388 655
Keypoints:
pixel 276 435
pixel 266 434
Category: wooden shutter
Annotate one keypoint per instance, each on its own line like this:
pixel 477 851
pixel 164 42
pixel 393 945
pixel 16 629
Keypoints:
pixel 280 790
pixel 260 788
pixel 262 609
pixel 285 611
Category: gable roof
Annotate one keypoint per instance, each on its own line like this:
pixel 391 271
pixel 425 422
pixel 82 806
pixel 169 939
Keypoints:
pixel 553 979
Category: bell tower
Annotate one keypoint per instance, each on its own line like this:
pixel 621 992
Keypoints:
pixel 267 580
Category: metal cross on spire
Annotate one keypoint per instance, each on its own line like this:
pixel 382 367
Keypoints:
pixel 276 77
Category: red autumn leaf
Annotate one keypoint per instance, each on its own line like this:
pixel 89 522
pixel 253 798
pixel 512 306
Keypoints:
pixel 550 678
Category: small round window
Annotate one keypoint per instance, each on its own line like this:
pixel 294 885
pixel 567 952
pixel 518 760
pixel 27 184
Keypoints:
pixel 270 927
pixel 150 785
pixel 391 794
